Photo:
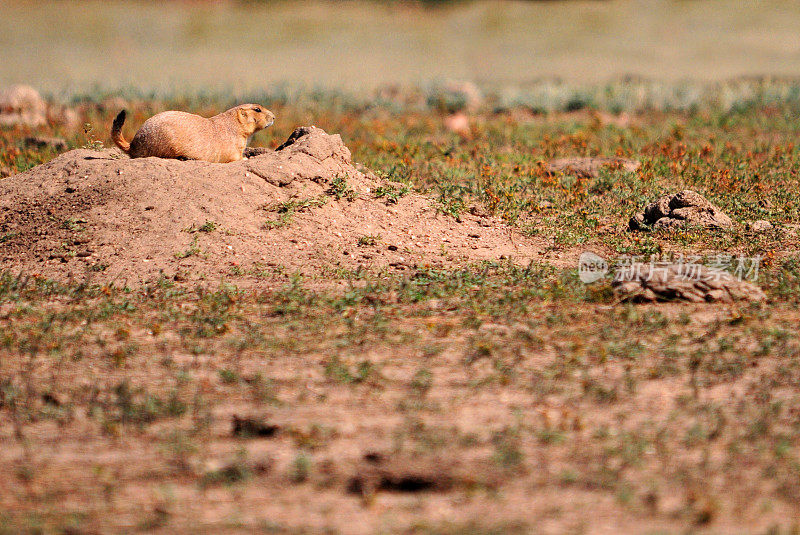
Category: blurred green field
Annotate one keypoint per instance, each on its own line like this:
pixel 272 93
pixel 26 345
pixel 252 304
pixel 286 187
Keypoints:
pixel 357 46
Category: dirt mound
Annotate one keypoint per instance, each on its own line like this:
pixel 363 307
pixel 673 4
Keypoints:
pixel 685 208
pixel 303 208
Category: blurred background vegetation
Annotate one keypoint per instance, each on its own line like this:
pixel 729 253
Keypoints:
pixel 64 47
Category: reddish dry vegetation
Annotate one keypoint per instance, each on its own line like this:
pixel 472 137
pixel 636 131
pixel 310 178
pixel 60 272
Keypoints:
pixel 402 347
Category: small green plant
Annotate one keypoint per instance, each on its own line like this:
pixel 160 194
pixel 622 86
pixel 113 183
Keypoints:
pixel 92 143
pixel 369 239
pixel 8 236
pixel 507 452
pixel 422 382
pixel 287 209
pixel 179 449
pixel 263 389
pixel 73 225
pixel 137 406
pixel 208 226
pixel 228 376
pixel 300 469
pixel 451 201
pixel 340 189
pixel 339 371
pixel 191 251
pixel 237 470
pixel 391 193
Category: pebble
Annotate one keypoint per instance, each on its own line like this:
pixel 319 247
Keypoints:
pixel 760 226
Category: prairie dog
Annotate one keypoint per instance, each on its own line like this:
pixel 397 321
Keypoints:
pixel 177 134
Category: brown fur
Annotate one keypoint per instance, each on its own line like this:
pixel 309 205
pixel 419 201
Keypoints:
pixel 181 135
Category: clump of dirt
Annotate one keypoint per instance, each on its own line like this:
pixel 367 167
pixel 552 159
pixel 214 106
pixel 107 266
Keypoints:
pixel 250 427
pixel 760 225
pixel 408 474
pixel 303 208
pixel 685 208
pixel 686 282
pixel 589 167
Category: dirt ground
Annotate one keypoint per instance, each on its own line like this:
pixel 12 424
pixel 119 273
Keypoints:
pixel 429 426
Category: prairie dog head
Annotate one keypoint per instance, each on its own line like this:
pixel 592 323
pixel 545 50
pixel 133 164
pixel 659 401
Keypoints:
pixel 254 117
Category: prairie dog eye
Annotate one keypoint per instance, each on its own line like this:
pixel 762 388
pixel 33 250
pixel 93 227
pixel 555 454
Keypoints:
pixel 257 109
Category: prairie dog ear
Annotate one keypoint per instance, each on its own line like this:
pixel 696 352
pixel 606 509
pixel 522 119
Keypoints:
pixel 242 115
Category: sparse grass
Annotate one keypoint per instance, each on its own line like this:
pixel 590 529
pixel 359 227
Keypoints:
pixel 369 239
pixel 92 142
pixel 193 249
pixel 300 469
pixel 391 193
pixel 208 226
pixel 340 189
pixel 286 210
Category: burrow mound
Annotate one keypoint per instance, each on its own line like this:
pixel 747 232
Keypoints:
pixel 683 209
pixel 302 208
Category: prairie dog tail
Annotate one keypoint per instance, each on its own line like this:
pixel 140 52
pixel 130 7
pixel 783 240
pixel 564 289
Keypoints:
pixel 116 133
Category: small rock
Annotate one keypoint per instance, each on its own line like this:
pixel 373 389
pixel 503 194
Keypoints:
pixel 761 225
pixel 458 123
pixel 657 209
pixel 250 152
pixel 22 105
pixel 689 199
pixel 688 282
pixel 298 132
pixel 478 211
pixel 685 208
